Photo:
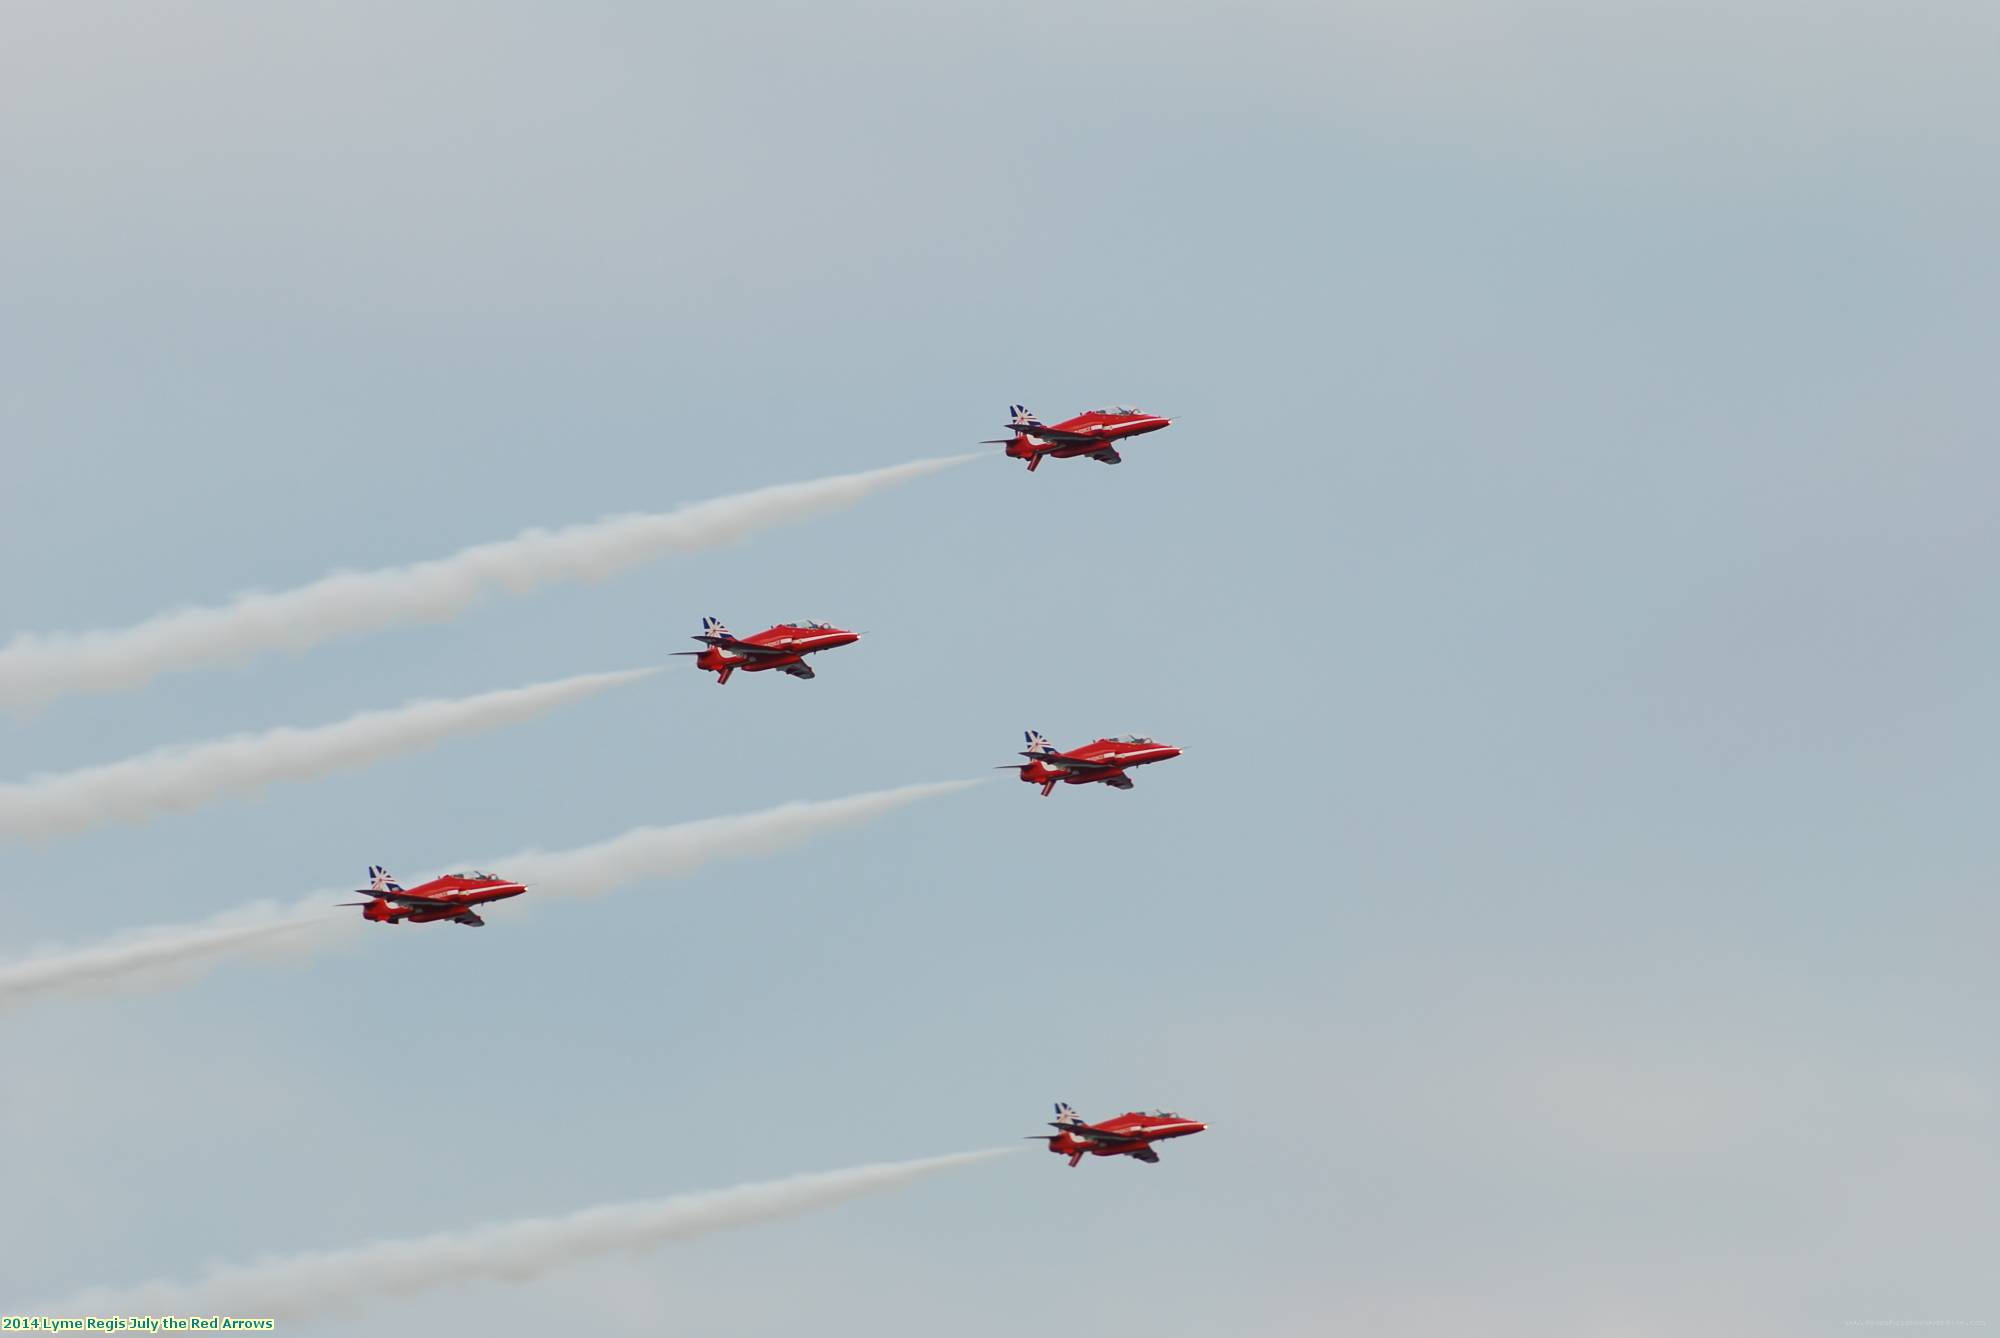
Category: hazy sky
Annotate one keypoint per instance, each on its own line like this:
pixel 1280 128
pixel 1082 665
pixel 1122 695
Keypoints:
pixel 1569 571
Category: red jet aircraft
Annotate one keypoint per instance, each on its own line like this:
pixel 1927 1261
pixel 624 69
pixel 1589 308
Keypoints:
pixel 451 897
pixel 1089 433
pixel 1129 1135
pixel 1100 763
pixel 782 647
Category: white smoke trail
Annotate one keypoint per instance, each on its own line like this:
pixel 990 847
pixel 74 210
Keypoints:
pixel 679 850
pixel 167 954
pixel 300 1286
pixel 187 776
pixel 35 668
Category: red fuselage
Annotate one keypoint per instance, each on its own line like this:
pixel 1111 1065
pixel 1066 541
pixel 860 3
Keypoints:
pixel 446 898
pixel 1129 1135
pixel 1091 434
pixel 784 647
pixel 1103 762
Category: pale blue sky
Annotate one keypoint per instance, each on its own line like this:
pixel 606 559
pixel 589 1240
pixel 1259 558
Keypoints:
pixel 1569 571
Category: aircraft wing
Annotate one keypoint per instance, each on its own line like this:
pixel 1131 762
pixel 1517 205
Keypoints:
pixel 1108 455
pixel 735 647
pixel 1109 773
pixel 1061 763
pixel 1056 435
pixel 798 670
pixel 1089 1134
pixel 1143 1154
pixel 419 903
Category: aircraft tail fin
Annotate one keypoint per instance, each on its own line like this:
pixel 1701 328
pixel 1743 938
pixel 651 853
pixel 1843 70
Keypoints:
pixel 1038 744
pixel 1066 1115
pixel 1024 444
pixel 712 626
pixel 380 881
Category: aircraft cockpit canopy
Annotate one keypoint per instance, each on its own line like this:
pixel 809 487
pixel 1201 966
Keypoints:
pixel 808 622
pixel 475 876
pixel 1116 410
pixel 1163 1114
pixel 1131 738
